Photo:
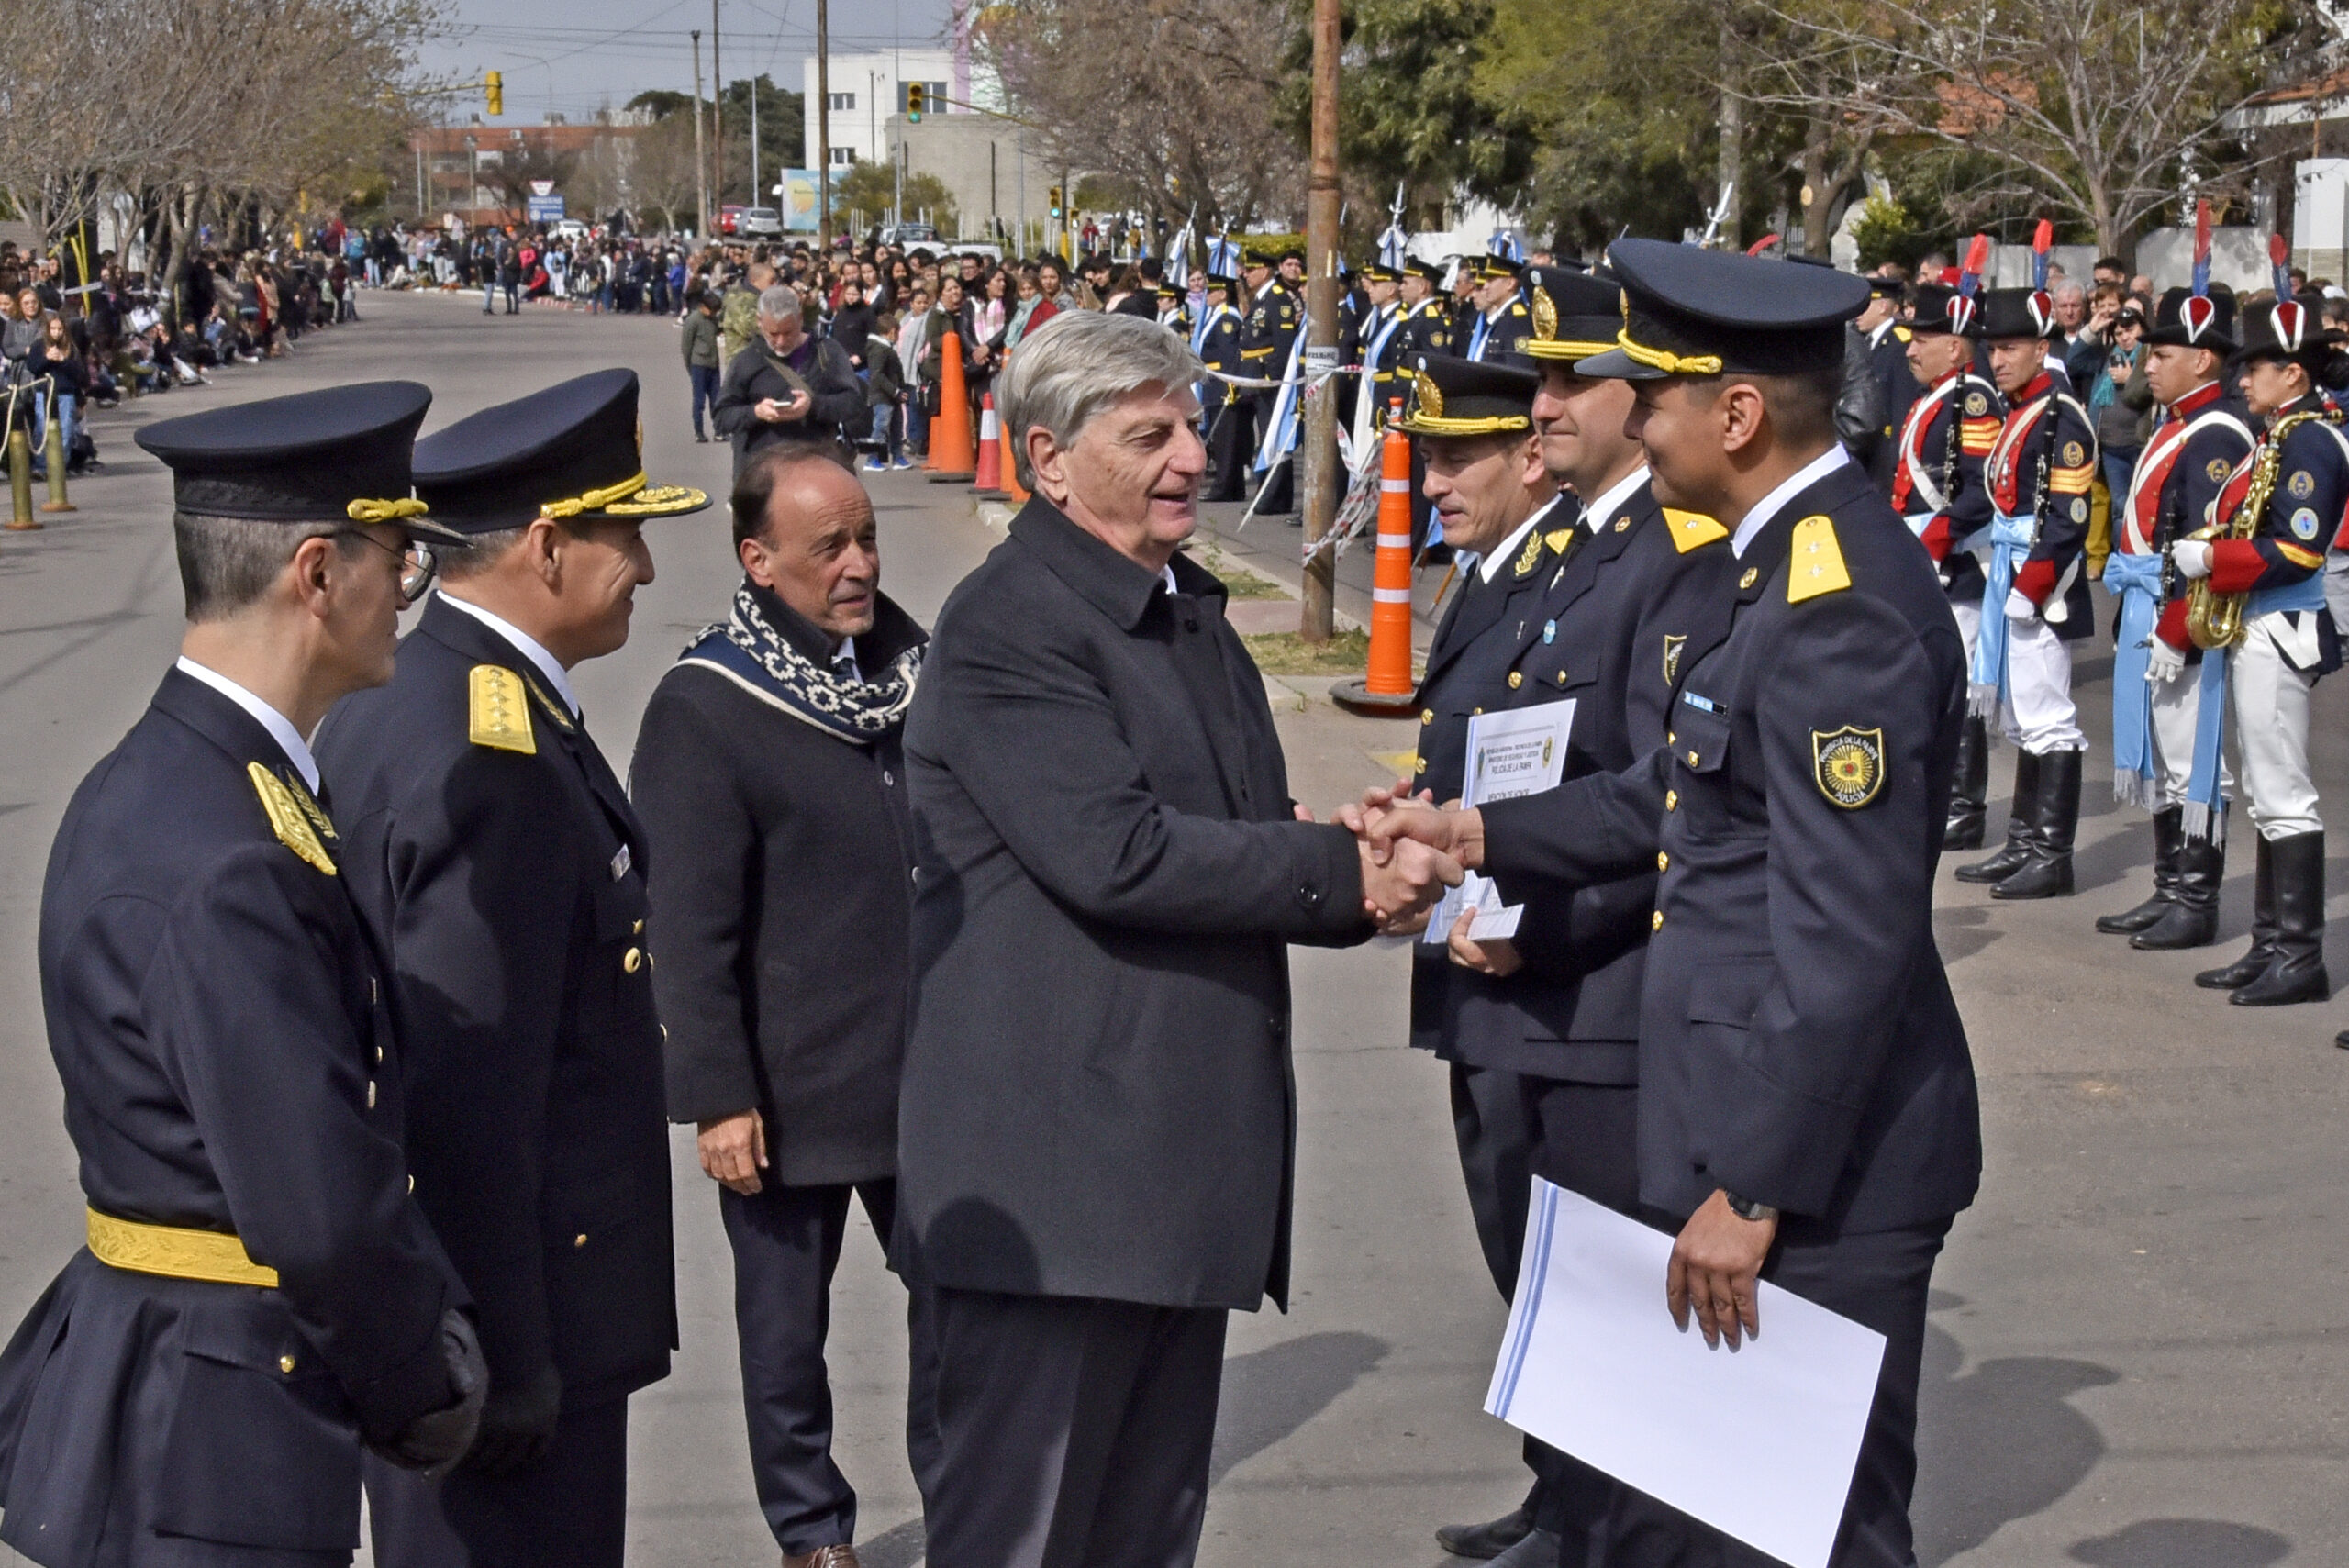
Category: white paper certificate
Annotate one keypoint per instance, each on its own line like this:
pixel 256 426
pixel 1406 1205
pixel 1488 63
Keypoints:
pixel 1493 919
pixel 1521 752
pixel 1759 1442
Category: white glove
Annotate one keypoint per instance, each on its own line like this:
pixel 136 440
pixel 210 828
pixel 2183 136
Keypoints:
pixel 2191 557
pixel 2019 605
pixel 2165 664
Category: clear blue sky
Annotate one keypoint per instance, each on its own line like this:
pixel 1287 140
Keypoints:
pixel 579 55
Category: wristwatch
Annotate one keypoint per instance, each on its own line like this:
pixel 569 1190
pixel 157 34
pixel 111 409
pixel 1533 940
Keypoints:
pixel 1747 1210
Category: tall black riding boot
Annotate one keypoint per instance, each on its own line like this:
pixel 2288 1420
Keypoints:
pixel 2192 919
pixel 1969 792
pixel 2298 973
pixel 2019 814
pixel 2169 837
pixel 2252 964
pixel 2048 873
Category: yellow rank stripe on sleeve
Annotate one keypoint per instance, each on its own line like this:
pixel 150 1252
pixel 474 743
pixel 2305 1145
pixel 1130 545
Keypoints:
pixel 287 819
pixel 1815 561
pixel 2071 481
pixel 1690 530
pixel 2308 560
pixel 499 714
pixel 1976 436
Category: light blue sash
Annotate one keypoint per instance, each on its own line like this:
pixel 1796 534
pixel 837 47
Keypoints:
pixel 2010 541
pixel 2137 581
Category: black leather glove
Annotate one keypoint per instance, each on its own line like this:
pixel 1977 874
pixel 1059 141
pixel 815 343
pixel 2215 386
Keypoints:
pixel 517 1424
pixel 434 1441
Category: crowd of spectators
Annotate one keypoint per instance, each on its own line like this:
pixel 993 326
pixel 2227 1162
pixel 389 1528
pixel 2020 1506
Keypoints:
pixel 92 345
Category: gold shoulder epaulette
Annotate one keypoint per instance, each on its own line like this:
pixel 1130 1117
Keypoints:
pixel 1903 333
pixel 287 819
pixel 1815 561
pixel 500 711
pixel 1690 530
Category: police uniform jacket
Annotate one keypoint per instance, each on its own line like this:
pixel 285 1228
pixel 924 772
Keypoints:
pixel 2042 467
pixel 1266 331
pixel 1617 597
pixel 1490 337
pixel 1096 1099
pixel 501 869
pixel 781 891
pixel 1219 350
pixel 1897 392
pixel 1799 1045
pixel 1426 329
pixel 215 1011
pixel 1939 486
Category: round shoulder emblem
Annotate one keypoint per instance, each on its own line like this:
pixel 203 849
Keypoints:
pixel 2074 455
pixel 2218 469
pixel 2079 509
pixel 2302 484
pixel 2304 523
pixel 1976 405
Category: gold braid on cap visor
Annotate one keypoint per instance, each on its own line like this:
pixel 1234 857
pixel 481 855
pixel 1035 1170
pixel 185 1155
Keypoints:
pixel 384 511
pixel 629 498
pixel 1664 360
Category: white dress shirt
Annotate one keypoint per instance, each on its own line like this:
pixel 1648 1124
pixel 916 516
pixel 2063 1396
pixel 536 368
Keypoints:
pixel 281 728
pixel 1770 505
pixel 556 675
pixel 1600 513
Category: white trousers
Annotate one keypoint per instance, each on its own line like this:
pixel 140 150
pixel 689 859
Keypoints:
pixel 2177 705
pixel 1969 627
pixel 2270 720
pixel 2037 713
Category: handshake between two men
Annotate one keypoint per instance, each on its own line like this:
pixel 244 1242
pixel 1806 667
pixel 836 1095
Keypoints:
pixel 1411 852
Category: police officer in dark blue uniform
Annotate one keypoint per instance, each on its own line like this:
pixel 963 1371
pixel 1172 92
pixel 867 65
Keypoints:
pixel 1807 1104
pixel 261 1295
pixel 1543 1028
pixel 1897 387
pixel 497 860
pixel 1215 337
pixel 1270 318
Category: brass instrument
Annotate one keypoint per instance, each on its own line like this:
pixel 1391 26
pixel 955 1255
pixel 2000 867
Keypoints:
pixel 2214 619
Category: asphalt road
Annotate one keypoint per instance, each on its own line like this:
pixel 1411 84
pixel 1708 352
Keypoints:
pixel 2140 1350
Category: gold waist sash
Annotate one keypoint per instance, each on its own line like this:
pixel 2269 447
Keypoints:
pixel 178 1254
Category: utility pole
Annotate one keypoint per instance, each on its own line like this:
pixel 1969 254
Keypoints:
pixel 1323 475
pixel 756 189
pixel 823 126
pixel 701 155
pixel 717 116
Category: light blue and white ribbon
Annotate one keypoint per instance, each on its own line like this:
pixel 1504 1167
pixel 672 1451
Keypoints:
pixel 2010 542
pixel 2136 580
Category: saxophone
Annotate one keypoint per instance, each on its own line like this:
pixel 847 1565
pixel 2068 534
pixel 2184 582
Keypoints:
pixel 2215 620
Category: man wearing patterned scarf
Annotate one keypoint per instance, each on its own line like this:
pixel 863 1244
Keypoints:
pixel 770 779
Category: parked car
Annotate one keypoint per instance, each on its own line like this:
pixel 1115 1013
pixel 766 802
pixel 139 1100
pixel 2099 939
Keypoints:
pixel 907 235
pixel 759 223
pixel 728 217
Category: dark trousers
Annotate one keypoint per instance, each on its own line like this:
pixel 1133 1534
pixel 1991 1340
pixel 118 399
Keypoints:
pixel 568 1508
pixel 1232 446
pixel 1513 1128
pixel 1880 1280
pixel 705 379
pixel 1076 1433
pixel 787 1243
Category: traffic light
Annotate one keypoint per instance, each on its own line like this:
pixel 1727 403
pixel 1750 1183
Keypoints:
pixel 916 94
pixel 494 86
pixel 1056 201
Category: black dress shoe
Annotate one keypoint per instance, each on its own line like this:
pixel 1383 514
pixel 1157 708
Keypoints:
pixel 1486 1540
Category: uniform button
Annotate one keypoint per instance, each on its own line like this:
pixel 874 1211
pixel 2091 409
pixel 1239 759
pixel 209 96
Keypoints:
pixel 637 930
pixel 1475 711
pixel 579 1240
pixel 1663 860
pixel 630 960
pixel 1692 759
pixel 664 1033
pixel 1516 679
pixel 1656 924
pixel 886 778
pixel 379 1056
pixel 371 1094
pixel 648 958
pixel 285 1365
pixel 1672 800
pixel 1562 677
pixel 411 1183
pixel 1427 716
pixel 375 994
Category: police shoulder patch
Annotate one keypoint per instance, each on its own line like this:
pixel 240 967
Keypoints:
pixel 286 819
pixel 2217 468
pixel 498 714
pixel 1848 763
pixel 2304 523
pixel 1815 561
pixel 2074 455
pixel 1977 403
pixel 2301 486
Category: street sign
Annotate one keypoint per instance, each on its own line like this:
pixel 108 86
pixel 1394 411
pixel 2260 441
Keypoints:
pixel 542 187
pixel 543 209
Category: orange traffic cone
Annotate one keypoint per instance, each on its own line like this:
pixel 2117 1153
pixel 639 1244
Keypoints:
pixel 1010 473
pixel 990 480
pixel 950 433
pixel 1387 688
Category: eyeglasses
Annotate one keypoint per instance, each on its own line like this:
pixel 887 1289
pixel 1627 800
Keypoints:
pixel 418 564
